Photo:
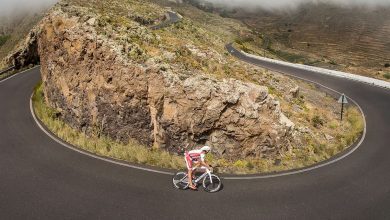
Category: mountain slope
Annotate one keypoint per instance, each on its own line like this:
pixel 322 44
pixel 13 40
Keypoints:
pixel 15 31
pixel 350 39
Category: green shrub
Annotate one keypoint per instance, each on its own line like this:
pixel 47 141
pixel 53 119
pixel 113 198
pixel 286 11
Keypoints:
pixel 3 39
pixel 317 121
pixel 386 75
pixel 240 164
pixel 250 165
pixel 238 41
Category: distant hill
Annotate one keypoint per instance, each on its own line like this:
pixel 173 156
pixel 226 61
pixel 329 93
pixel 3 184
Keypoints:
pixel 355 39
pixel 13 30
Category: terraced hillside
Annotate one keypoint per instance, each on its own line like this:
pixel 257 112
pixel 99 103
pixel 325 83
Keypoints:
pixel 356 40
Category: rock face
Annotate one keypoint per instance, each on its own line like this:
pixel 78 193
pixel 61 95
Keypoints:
pixel 26 53
pixel 235 117
pixel 97 88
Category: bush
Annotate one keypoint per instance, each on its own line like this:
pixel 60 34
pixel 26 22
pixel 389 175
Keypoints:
pixel 242 40
pixel 250 166
pixel 238 41
pixel 3 39
pixel 386 75
pixel 317 121
pixel 240 164
pixel 387 65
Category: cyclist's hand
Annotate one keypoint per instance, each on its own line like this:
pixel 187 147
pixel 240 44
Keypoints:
pixel 211 169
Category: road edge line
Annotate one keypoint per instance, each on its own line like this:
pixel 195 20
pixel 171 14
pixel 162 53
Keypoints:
pixel 16 74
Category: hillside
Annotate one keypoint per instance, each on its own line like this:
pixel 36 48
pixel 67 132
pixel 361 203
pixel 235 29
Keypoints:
pixel 15 30
pixel 355 40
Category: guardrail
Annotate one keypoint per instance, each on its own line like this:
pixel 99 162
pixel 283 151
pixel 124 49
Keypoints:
pixel 6 70
pixel 364 79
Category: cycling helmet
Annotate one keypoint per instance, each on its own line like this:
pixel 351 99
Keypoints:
pixel 205 148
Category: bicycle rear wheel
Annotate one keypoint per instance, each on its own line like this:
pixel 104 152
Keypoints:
pixel 212 186
pixel 180 180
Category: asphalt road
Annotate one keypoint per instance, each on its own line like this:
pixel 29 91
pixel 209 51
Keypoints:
pixel 172 19
pixel 41 179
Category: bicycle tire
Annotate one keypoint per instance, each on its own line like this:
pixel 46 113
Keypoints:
pixel 180 180
pixel 212 187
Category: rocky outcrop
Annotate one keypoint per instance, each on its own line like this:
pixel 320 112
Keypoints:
pixel 25 53
pixel 237 118
pixel 97 87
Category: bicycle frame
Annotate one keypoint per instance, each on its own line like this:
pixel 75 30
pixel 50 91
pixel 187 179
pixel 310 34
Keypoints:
pixel 197 180
pixel 208 172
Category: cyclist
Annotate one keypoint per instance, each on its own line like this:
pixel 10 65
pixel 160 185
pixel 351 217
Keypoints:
pixel 196 157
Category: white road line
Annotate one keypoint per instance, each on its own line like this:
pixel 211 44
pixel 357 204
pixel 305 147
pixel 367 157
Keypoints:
pixel 16 74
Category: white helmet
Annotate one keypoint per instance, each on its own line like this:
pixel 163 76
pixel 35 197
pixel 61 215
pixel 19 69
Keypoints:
pixel 205 148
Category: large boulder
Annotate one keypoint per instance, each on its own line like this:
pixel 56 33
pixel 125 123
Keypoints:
pixel 235 118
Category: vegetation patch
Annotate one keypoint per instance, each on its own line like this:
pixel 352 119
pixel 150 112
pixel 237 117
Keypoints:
pixel 3 39
pixel 290 57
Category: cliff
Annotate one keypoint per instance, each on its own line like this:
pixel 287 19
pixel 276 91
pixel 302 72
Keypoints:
pixel 100 77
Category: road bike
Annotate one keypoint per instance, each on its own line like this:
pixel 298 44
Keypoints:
pixel 210 182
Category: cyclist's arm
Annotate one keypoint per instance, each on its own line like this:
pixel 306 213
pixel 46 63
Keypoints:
pixel 197 164
pixel 203 161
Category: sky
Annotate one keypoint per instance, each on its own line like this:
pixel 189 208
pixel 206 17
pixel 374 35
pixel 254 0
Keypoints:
pixel 291 4
pixel 9 7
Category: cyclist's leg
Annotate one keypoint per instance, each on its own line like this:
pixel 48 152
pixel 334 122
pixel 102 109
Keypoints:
pixel 189 168
pixel 188 162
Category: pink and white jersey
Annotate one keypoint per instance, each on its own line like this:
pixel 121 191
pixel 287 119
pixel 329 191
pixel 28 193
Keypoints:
pixel 196 155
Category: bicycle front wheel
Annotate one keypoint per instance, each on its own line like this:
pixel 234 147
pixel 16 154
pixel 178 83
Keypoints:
pixel 180 180
pixel 212 184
